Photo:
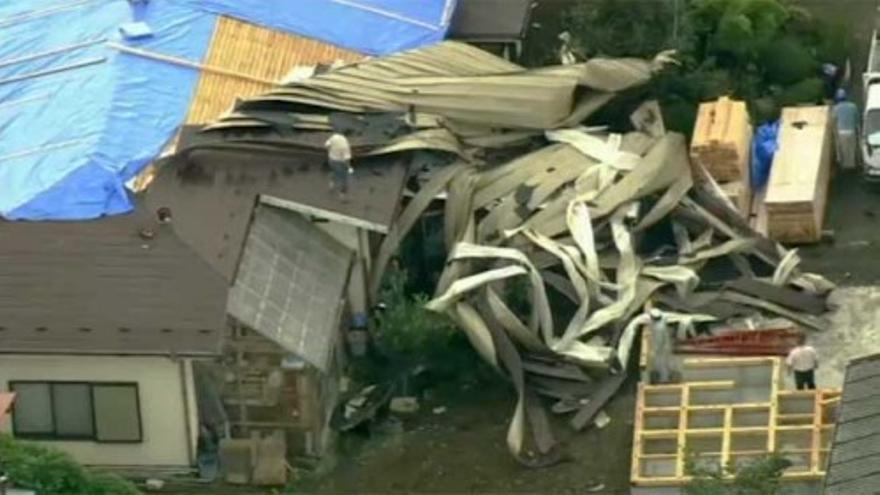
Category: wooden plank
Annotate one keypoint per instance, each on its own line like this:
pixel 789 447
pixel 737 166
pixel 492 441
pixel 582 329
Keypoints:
pixel 815 455
pixel 740 194
pixel 797 190
pixel 789 298
pixel 721 141
pixel 638 424
pixel 682 432
pixel 710 362
pixel 605 392
pixel 725 440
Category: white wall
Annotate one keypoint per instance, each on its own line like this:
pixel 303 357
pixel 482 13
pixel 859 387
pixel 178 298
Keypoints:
pixel 164 411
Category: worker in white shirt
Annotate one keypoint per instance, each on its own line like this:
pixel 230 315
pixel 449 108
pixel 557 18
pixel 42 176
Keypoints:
pixel 339 159
pixel 803 361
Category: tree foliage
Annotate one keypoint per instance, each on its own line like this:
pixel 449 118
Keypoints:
pixel 766 52
pixel 759 477
pixel 50 472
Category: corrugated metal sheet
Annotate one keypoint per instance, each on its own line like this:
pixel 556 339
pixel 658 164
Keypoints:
pixel 854 467
pixel 463 83
pixel 255 51
pixel 290 284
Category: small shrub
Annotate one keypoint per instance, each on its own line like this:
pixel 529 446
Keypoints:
pixel 412 335
pixel 50 472
pixel 759 477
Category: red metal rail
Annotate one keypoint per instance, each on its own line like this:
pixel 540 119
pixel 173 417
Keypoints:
pixel 769 342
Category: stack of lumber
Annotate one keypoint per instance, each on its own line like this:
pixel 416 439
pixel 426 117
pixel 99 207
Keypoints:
pixel 721 143
pixel 798 188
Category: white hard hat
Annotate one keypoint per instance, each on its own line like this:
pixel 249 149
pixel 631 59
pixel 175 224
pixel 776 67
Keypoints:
pixel 655 313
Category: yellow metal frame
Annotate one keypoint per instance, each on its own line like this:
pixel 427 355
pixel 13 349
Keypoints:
pixel 816 424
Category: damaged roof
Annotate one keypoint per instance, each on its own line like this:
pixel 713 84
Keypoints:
pixel 212 191
pixel 122 285
pixel 529 195
pixel 463 84
pixel 854 466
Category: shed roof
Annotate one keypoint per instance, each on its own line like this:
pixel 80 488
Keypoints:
pixel 854 466
pixel 491 20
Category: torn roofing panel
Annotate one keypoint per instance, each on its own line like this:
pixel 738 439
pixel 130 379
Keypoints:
pixel 125 284
pixel 463 84
pixel 290 284
pixel 855 453
pixel 213 192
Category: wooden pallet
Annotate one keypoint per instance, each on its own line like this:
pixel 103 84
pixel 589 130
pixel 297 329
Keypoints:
pixel 722 140
pixel 797 191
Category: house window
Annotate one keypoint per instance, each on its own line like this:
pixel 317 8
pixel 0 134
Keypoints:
pixel 101 412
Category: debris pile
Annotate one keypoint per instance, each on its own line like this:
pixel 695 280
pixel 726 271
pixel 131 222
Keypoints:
pixel 557 235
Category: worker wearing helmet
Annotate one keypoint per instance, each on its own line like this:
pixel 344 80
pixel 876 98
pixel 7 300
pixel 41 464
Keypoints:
pixel 846 119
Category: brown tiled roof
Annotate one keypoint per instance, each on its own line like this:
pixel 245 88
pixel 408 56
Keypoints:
pixel 103 287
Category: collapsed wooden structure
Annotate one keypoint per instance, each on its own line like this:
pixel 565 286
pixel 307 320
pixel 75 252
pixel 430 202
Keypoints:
pixel 528 196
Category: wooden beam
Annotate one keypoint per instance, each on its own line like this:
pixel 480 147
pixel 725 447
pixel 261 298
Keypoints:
pixel 682 431
pixel 709 362
pixel 325 214
pixel 725 439
pixel 638 424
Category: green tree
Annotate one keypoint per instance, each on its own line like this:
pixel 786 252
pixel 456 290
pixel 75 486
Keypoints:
pixel 766 52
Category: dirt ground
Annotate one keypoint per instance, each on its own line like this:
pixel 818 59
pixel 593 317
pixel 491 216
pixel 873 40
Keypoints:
pixel 463 451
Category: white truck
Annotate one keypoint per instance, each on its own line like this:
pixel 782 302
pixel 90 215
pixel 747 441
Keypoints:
pixel 870 135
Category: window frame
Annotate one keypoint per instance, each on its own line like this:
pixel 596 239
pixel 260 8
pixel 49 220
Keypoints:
pixel 54 436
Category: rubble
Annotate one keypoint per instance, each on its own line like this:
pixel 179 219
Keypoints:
pixel 404 405
pixel 599 224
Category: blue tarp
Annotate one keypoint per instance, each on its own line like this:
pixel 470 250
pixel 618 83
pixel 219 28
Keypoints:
pixel 764 146
pixel 79 118
pixel 375 27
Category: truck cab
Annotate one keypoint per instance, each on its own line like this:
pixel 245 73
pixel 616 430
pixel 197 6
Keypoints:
pixel 870 136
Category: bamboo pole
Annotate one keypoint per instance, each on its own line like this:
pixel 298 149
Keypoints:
pixel 161 57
